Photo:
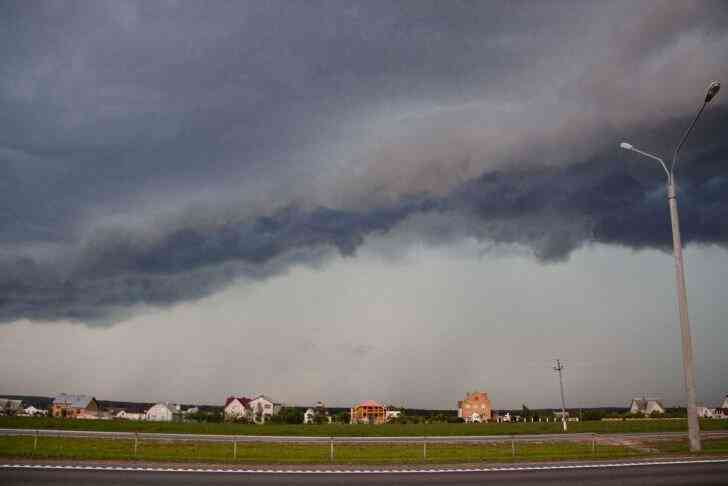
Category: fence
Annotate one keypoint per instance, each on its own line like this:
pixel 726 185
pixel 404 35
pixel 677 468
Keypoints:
pixel 286 449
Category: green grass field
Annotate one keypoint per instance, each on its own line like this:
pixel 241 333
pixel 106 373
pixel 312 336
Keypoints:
pixel 345 430
pixel 711 446
pixel 263 453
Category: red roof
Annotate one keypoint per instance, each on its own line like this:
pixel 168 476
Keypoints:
pixel 370 403
pixel 244 401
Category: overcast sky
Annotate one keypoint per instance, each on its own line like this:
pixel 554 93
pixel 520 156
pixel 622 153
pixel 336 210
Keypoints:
pixel 399 201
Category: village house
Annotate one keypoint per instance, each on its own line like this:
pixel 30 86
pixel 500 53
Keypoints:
pixel 317 414
pixel 646 407
pixel 392 414
pixel 124 415
pixel 75 406
pixel 31 411
pixel 506 417
pixel 237 408
pixel 722 411
pixel 368 412
pixel 263 408
pixel 309 416
pixel 9 406
pixel 705 412
pixel 162 412
pixel 475 407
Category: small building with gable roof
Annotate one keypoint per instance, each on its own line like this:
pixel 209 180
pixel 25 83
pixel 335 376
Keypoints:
pixel 162 412
pixel 10 406
pixel 237 408
pixel 74 406
pixel 646 406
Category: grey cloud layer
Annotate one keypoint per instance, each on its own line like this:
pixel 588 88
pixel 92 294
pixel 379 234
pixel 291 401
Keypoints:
pixel 301 129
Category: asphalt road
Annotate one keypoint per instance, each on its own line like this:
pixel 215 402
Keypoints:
pixel 674 474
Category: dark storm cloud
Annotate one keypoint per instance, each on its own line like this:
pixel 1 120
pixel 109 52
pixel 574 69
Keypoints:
pixel 154 152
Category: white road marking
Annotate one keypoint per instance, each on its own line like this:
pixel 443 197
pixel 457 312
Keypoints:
pixel 364 471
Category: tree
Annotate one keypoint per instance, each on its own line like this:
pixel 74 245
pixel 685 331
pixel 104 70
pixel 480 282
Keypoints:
pixel 342 417
pixel 525 412
pixel 288 415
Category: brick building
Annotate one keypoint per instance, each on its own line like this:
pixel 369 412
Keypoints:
pixel 475 407
pixel 368 412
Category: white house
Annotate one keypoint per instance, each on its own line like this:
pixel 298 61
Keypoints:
pixel 263 408
pixel 505 418
pixel 31 411
pixel 705 412
pixel 724 405
pixel 123 414
pixel 646 407
pixel 237 408
pixel 392 414
pixel 161 412
pixel 308 416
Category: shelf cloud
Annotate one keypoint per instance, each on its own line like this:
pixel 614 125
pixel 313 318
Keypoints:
pixel 153 153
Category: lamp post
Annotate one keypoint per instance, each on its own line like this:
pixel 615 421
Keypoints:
pixel 682 298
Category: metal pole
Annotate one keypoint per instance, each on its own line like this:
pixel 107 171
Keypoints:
pixel 558 368
pixel 682 302
pixel 235 449
pixel 331 454
pixel 682 299
pixel 424 448
pixel 35 442
pixel 136 443
pixel 513 446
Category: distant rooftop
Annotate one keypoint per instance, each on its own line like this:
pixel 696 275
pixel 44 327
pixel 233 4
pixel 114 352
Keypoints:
pixel 74 401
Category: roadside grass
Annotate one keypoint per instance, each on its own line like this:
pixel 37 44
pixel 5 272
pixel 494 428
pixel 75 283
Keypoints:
pixel 266 453
pixel 710 446
pixel 361 430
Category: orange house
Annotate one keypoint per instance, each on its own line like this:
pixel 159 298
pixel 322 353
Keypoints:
pixel 75 406
pixel 475 407
pixel 368 412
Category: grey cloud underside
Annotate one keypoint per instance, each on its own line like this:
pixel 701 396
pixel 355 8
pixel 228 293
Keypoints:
pixel 152 153
pixel 551 210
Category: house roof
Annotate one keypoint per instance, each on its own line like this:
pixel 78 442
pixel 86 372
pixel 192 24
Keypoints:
pixel 243 401
pixel 74 401
pixel 644 403
pixel 168 406
pixel 370 403
pixel 10 403
pixel 264 397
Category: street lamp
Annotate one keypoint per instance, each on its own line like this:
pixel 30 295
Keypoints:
pixel 682 298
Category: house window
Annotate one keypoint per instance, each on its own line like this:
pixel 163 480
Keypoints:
pixel 267 405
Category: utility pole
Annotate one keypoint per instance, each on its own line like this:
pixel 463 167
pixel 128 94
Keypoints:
pixel 558 369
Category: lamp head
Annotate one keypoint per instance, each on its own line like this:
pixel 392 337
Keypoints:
pixel 712 91
pixel 626 146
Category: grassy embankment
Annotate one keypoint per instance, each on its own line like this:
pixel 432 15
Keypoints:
pixel 710 446
pixel 262 453
pixel 345 430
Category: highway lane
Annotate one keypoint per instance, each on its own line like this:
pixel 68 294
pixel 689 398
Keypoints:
pixel 664 474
